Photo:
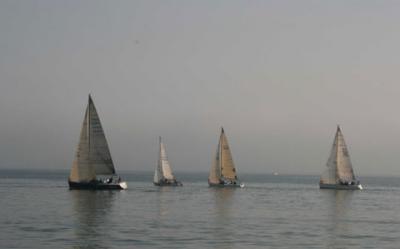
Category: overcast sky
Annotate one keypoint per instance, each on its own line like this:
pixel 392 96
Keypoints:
pixel 277 75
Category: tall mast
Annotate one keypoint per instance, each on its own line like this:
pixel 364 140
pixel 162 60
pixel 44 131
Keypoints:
pixel 160 157
pixel 88 121
pixel 220 150
pixel 336 153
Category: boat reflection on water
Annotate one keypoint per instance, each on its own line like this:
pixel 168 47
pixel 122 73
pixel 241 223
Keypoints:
pixel 339 222
pixel 91 211
pixel 223 226
pixel 163 198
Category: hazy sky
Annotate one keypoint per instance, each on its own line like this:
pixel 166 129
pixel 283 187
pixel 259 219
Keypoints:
pixel 278 75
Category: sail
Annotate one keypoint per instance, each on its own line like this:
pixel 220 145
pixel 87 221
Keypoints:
pixel 222 167
pixel 100 156
pixel 92 156
pixel 339 166
pixel 82 170
pixel 163 169
pixel 329 175
pixel 157 174
pixel 228 170
pixel 215 172
pixel 344 170
pixel 166 168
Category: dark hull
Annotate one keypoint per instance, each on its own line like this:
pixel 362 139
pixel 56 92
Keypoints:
pixel 170 184
pixel 223 185
pixel 340 186
pixel 94 186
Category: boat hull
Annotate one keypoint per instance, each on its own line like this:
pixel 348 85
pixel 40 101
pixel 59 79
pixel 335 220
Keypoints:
pixel 224 185
pixel 340 186
pixel 170 184
pixel 97 186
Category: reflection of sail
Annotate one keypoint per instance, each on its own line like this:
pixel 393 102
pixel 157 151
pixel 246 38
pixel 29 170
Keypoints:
pixel 91 209
pixel 164 218
pixel 162 203
pixel 224 230
pixel 338 227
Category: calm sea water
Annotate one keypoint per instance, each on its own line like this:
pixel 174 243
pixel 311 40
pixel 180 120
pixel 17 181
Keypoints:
pixel 38 211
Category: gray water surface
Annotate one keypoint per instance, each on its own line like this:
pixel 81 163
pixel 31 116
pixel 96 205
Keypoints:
pixel 38 211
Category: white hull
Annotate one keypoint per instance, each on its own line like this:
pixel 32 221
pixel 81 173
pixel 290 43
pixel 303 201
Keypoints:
pixel 228 185
pixel 340 186
pixel 123 185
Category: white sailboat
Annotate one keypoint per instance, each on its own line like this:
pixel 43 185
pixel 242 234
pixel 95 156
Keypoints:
pixel 93 167
pixel 339 173
pixel 163 175
pixel 223 172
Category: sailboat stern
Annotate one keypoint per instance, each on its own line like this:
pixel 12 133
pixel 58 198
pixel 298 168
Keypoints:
pixel 166 182
pixel 226 183
pixel 123 185
pixel 340 186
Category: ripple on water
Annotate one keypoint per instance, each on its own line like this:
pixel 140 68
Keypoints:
pixel 283 213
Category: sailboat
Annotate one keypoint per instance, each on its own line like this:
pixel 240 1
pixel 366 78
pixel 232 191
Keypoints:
pixel 339 173
pixel 163 175
pixel 93 167
pixel 223 172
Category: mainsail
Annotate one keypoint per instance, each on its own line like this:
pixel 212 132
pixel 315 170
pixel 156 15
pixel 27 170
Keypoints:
pixel 339 164
pixel 344 170
pixel 163 170
pixel 222 167
pixel 93 155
